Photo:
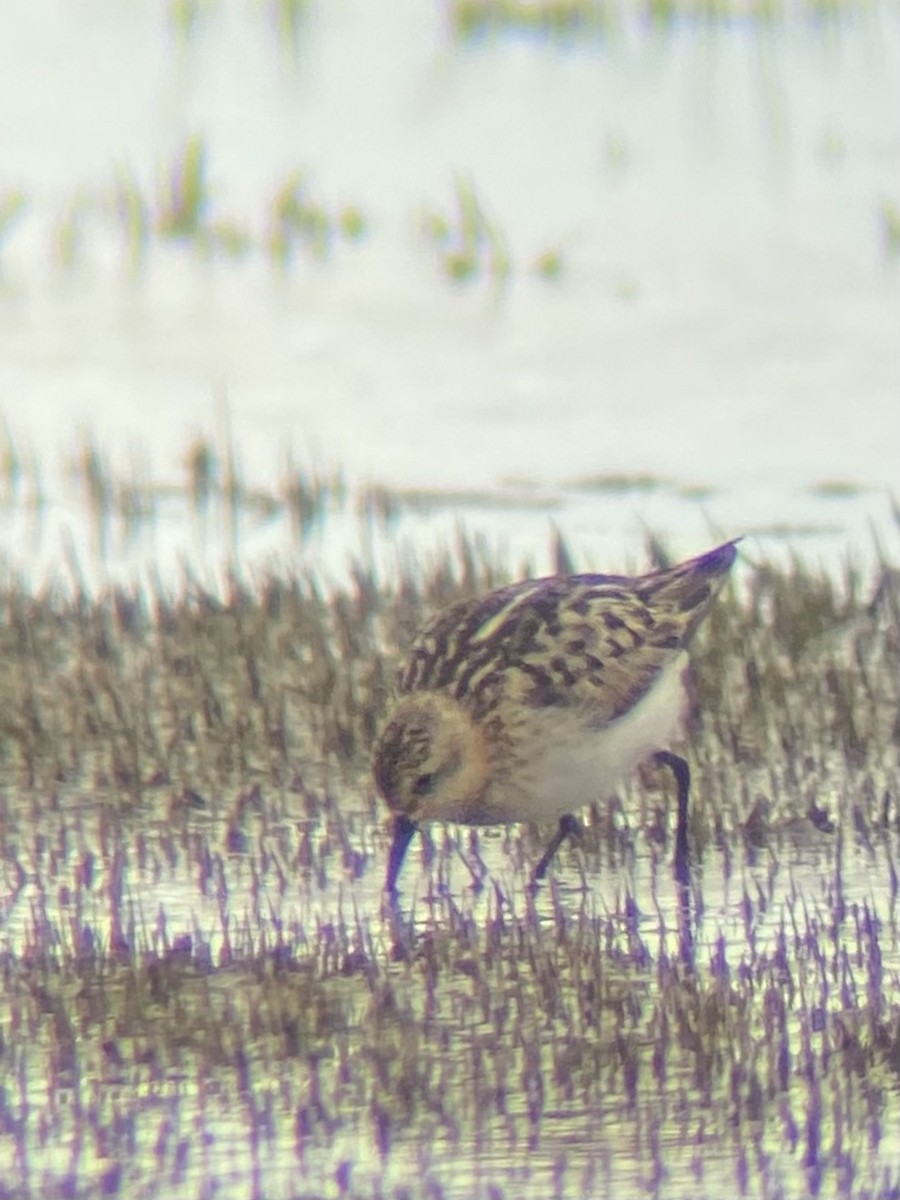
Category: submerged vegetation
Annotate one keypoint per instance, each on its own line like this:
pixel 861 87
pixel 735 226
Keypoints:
pixel 203 990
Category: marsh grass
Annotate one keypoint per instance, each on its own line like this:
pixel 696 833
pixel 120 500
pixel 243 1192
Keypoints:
pixel 186 209
pixel 124 505
pixel 295 226
pixel 571 20
pixel 300 221
pixel 548 18
pixel 201 982
pixel 889 218
pixel 470 244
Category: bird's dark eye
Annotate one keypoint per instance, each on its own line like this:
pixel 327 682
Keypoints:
pixel 423 784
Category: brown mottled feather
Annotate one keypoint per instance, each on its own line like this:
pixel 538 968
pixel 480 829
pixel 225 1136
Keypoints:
pixel 597 641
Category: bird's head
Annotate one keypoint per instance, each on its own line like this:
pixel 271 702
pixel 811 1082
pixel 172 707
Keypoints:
pixel 431 760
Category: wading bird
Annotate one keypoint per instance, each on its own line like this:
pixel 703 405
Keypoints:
pixel 531 702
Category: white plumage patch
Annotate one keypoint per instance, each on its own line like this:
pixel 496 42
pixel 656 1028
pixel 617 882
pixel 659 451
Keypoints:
pixel 568 764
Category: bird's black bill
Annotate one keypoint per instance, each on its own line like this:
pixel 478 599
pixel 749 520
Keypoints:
pixel 569 827
pixel 404 828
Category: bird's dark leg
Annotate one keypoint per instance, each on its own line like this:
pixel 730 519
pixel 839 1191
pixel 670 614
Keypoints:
pixel 682 773
pixel 404 828
pixel 569 827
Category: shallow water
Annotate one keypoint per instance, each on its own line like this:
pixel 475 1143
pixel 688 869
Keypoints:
pixel 724 325
pixel 795 943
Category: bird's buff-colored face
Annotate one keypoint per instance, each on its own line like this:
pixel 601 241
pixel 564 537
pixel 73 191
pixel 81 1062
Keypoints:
pixel 430 764
pixel 431 760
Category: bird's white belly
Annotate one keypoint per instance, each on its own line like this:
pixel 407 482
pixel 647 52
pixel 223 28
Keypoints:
pixel 565 765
